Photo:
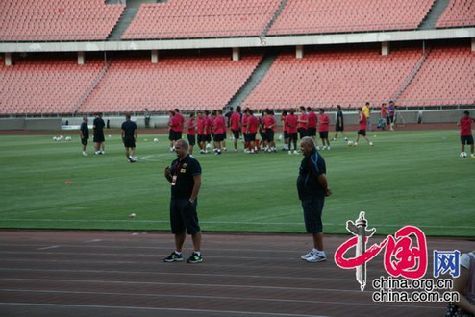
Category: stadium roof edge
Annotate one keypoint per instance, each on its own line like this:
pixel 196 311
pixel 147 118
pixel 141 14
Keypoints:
pixel 229 42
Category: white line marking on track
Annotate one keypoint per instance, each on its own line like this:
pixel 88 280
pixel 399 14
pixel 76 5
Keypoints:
pixel 246 313
pixel 93 240
pixel 49 248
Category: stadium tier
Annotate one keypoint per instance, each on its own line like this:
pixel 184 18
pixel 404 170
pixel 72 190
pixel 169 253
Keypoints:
pixel 185 83
pixel 447 77
pixel 458 13
pixel 337 16
pixel 333 77
pixel 201 18
pixel 46 20
pixel 37 87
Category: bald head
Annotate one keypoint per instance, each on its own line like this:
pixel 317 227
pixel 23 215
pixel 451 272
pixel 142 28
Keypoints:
pixel 307 145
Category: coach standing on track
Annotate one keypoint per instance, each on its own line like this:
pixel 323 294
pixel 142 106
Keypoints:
pixel 129 137
pixel 184 175
pixel 312 187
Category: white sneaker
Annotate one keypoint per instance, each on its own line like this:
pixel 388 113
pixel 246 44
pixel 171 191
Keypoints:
pixel 472 155
pixel 84 154
pixel 290 152
pixel 318 148
pixel 355 144
pixel 296 153
pixel 371 143
pixel 97 152
pixel 103 152
pixel 306 256
pixel 317 257
pixel 328 148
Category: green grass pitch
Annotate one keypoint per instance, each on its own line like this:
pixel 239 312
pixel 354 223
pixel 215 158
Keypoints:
pixel 414 178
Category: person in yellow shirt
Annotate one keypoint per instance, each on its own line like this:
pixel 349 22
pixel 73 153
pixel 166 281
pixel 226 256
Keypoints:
pixel 366 110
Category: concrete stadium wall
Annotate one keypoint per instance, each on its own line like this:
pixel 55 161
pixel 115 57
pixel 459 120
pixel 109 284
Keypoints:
pixel 30 124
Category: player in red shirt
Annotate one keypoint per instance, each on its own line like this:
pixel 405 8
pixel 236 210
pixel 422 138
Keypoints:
pixel 384 120
pixel 323 129
pixel 312 125
pixel 302 121
pixel 244 120
pixel 208 130
pixel 362 130
pixel 252 128
pixel 268 123
pixel 284 130
pixel 200 129
pixel 173 127
pixel 191 132
pixel 235 124
pixel 466 136
pixel 291 126
pixel 219 129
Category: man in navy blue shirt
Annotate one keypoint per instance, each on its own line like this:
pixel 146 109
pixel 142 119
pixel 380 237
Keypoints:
pixel 129 137
pixel 312 187
pixel 84 135
pixel 184 176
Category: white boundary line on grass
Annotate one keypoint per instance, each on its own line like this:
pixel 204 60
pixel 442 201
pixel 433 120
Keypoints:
pixel 214 311
pixel 225 223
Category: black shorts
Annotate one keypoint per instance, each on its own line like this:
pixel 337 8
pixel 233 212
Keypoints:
pixel 246 137
pixel 99 137
pixel 467 139
pixel 302 132
pixel 312 131
pixel 251 137
pixel 84 141
pixel 183 216
pixel 173 136
pixel 208 137
pixel 129 142
pixel 362 132
pixel 312 214
pixel 292 137
pixel 201 138
pixel 323 135
pixel 286 135
pixel 191 139
pixel 218 137
pixel 236 134
pixel 269 135
pixel 390 119
pixel 339 128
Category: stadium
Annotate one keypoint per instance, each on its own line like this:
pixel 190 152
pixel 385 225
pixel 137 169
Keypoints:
pixel 85 235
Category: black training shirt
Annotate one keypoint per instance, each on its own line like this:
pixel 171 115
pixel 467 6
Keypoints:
pixel 129 128
pixel 307 184
pixel 84 130
pixel 184 170
pixel 99 125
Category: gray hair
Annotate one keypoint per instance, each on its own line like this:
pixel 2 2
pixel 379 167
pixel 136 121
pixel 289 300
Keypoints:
pixel 183 143
pixel 307 140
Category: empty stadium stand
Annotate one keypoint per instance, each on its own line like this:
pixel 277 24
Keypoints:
pixel 65 20
pixel 186 83
pixel 458 13
pixel 328 78
pixel 339 16
pixel 447 77
pixel 39 87
pixel 201 18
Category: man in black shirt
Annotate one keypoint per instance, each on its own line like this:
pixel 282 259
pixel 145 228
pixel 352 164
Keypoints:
pixel 312 187
pixel 339 126
pixel 84 135
pixel 184 175
pixel 98 134
pixel 129 137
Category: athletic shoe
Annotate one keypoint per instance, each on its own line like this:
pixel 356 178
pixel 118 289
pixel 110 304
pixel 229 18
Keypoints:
pixel 174 257
pixel 84 154
pixel 355 144
pixel 102 152
pixel 296 153
pixel 306 256
pixel 371 143
pixel 290 152
pixel 472 155
pixel 318 148
pixel 317 257
pixel 195 258
pixel 132 160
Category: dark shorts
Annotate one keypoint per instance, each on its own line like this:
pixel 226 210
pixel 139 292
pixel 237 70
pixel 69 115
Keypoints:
pixel 323 135
pixel 467 139
pixel 251 137
pixel 208 137
pixel 201 138
pixel 286 135
pixel 129 142
pixel 191 139
pixel 312 214
pixel 183 216
pixel 302 132
pixel 269 135
pixel 339 128
pixel 173 136
pixel 362 132
pixel 236 134
pixel 246 137
pixel 312 131
pixel 391 119
pixel 84 141
pixel 218 137
pixel 99 137
pixel 292 137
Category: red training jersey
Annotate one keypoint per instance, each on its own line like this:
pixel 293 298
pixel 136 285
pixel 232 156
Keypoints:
pixel 209 125
pixel 253 124
pixel 269 122
pixel 219 125
pixel 303 121
pixel 201 125
pixel 312 120
pixel 180 121
pixel 235 120
pixel 324 123
pixel 291 123
pixel 190 125
pixel 466 126
pixel 362 122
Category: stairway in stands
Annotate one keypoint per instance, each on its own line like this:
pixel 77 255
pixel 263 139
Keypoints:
pixel 430 21
pixel 252 81
pixel 127 17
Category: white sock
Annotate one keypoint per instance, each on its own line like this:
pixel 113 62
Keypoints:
pixel 177 253
pixel 198 253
